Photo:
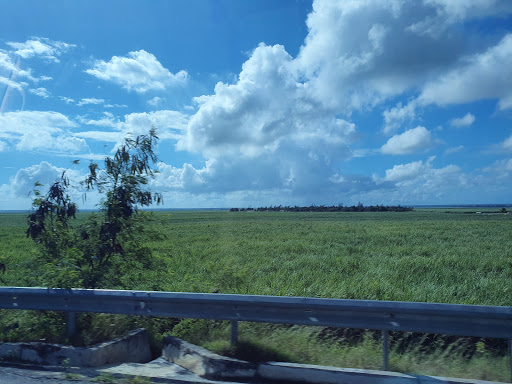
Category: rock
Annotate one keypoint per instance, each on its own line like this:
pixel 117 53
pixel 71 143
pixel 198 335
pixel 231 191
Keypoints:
pixel 205 363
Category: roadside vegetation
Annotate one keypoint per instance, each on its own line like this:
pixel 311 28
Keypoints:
pixel 327 208
pixel 423 255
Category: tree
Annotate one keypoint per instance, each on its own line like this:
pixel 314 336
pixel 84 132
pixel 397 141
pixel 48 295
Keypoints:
pixel 48 226
pixel 102 250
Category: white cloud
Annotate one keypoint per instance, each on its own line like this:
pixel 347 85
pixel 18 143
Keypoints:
pixel 169 125
pixel 92 100
pixel 41 92
pixel 112 137
pixel 263 110
pixel 408 171
pixel 358 54
pixel 465 121
pixel 12 84
pixel 67 100
pixel 139 72
pixel 482 76
pixel 6 62
pixel 156 101
pixel 7 65
pixel 3 146
pixel 19 122
pixel 40 47
pixel 47 141
pixel 43 130
pixel 507 144
pixel 45 173
pixel 421 183
pixel 265 132
pixel 500 171
pixel 395 117
pixel 414 140
pixel 115 106
pixel 453 11
pixel 451 150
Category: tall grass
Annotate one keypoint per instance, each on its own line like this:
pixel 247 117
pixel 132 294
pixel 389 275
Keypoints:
pixel 424 256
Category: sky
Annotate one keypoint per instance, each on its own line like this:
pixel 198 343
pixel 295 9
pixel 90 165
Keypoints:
pixel 260 103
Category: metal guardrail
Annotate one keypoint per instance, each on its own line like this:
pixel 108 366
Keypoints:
pixel 452 319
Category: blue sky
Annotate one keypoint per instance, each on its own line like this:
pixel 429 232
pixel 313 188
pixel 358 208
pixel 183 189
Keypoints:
pixel 263 102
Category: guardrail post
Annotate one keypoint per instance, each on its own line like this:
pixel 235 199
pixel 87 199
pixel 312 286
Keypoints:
pixel 385 350
pixel 71 324
pixel 234 332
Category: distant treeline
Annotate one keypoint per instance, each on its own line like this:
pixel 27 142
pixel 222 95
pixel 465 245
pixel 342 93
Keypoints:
pixel 323 208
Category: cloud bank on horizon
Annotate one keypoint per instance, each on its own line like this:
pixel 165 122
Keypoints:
pixel 387 102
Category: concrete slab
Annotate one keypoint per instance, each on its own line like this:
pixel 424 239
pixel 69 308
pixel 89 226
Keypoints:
pixel 205 363
pixel 314 374
pixel 133 347
pixel 160 369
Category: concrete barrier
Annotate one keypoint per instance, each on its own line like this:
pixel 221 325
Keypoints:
pixel 134 347
pixel 212 366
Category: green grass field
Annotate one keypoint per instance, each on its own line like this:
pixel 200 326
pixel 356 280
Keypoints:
pixel 425 255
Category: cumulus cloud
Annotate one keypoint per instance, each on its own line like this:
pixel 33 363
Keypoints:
pixel 465 121
pixel 422 183
pixel 6 62
pixel 359 54
pixel 12 84
pixel 12 68
pixel 414 140
pixel 448 12
pixel 41 92
pixel 500 171
pixel 43 130
pixel 17 193
pixel 285 123
pixel 40 47
pixel 265 131
pixel 486 75
pixel 140 71
pixel 264 109
pixel 45 173
pixel 395 117
pixel 48 142
pixel 14 122
pixel 505 165
pixel 283 108
pixel 408 171
pixel 155 101
pixel 169 124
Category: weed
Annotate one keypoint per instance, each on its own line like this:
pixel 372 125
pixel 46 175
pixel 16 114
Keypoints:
pixel 105 378
pixel 138 380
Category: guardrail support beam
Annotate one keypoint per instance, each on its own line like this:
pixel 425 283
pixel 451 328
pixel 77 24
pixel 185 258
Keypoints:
pixel 234 332
pixel 71 324
pixel 385 350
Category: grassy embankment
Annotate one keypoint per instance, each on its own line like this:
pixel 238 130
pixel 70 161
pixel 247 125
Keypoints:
pixel 426 255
